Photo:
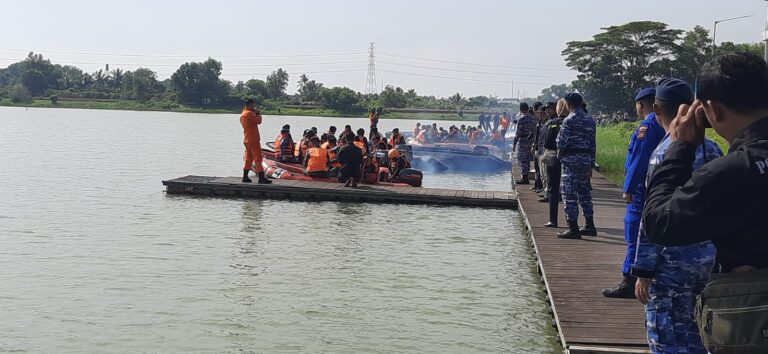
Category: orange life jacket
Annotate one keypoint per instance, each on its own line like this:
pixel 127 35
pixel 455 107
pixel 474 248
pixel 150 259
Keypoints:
pixel 334 159
pixel 361 145
pixel 318 160
pixel 301 147
pixel 395 142
pixel 324 145
pixel 279 146
pixel 422 137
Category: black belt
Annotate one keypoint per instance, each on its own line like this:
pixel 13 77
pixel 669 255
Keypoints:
pixel 576 151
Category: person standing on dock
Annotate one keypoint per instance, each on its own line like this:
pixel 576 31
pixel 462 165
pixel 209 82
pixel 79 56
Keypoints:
pixel 724 201
pixel 670 278
pixel 576 150
pixel 642 143
pixel 523 142
pixel 481 120
pixel 250 120
pixel 550 161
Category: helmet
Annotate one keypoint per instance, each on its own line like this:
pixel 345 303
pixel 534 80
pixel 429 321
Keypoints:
pixel 393 154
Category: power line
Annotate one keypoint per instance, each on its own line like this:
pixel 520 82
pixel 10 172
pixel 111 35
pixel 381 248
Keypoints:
pixel 183 56
pixel 465 79
pixel 473 64
pixel 300 72
pixel 474 72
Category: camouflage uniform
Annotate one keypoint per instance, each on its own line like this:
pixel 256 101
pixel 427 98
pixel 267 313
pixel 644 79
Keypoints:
pixel 679 275
pixel 576 150
pixel 526 126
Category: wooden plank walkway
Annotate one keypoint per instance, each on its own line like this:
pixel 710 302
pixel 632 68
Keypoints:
pixel 322 191
pixel 575 271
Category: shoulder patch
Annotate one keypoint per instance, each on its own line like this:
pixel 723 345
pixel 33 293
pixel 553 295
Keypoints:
pixel 641 131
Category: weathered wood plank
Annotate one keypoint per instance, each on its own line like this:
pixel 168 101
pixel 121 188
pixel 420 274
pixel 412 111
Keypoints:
pixel 575 271
pixel 313 190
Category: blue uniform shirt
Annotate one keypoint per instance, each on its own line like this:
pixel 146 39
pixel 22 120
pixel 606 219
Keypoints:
pixel 644 140
pixel 526 125
pixel 577 134
pixel 648 253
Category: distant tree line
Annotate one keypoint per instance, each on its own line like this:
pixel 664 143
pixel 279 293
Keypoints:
pixel 199 84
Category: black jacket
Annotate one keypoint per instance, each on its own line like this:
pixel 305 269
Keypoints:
pixel 725 201
pixel 350 157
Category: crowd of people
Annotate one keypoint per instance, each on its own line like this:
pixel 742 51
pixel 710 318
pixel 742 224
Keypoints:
pixel 431 133
pixel 689 228
pixel 348 158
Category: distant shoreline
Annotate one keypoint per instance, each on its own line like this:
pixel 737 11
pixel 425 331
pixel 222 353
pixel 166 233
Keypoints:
pixel 165 107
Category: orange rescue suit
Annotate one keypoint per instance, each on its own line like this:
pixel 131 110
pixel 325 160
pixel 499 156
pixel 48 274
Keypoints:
pixel 250 121
pixel 318 160
pixel 332 154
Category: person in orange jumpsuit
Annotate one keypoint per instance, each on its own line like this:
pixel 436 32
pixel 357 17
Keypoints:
pixel 250 120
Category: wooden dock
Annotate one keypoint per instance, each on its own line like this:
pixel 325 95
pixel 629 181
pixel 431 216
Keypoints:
pixel 575 271
pixel 321 191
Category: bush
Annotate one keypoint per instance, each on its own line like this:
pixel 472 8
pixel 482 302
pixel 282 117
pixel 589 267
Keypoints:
pixel 20 94
pixel 54 99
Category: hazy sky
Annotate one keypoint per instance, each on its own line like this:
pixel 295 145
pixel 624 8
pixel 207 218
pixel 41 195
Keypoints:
pixel 517 41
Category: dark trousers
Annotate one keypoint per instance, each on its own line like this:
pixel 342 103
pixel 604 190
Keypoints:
pixel 553 187
pixel 537 184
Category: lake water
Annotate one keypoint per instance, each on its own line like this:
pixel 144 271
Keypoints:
pixel 95 257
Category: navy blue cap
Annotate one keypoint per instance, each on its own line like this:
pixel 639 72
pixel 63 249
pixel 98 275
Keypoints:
pixel 574 97
pixel 648 92
pixel 674 90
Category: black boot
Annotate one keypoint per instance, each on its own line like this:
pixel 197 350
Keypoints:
pixel 263 179
pixel 523 180
pixel 572 232
pixel 245 176
pixel 625 289
pixel 589 229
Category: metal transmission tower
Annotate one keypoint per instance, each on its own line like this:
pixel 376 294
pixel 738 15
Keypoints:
pixel 370 81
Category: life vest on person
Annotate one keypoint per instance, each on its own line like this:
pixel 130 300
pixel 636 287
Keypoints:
pixel 504 122
pixel 301 147
pixel 422 137
pixel 334 159
pixel 324 145
pixel 318 160
pixel 396 141
pixel 361 145
pixel 281 151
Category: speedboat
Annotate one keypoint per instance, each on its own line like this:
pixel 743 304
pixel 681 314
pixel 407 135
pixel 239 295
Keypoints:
pixel 460 157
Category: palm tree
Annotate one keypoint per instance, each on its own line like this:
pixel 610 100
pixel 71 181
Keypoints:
pixel 100 78
pixel 117 78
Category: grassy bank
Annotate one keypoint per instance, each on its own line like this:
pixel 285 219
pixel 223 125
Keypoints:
pixel 612 144
pixel 164 106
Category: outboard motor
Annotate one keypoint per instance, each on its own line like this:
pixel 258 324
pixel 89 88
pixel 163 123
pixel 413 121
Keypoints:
pixel 407 151
pixel 383 158
pixel 411 177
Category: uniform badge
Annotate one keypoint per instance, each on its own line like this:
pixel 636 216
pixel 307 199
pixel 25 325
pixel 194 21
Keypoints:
pixel 641 131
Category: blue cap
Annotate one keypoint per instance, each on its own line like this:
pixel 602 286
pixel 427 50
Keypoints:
pixel 648 92
pixel 574 97
pixel 674 90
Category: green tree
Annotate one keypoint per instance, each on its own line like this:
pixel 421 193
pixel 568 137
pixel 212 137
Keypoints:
pixel 554 93
pixel 277 82
pixel 71 77
pixel 117 78
pixel 309 90
pixel 34 81
pixel 144 84
pixel 256 89
pixel 477 101
pixel 619 61
pixel 339 98
pixel 100 79
pixel 392 97
pixel 729 47
pixel 693 52
pixel 20 94
pixel 199 83
pixel 457 99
